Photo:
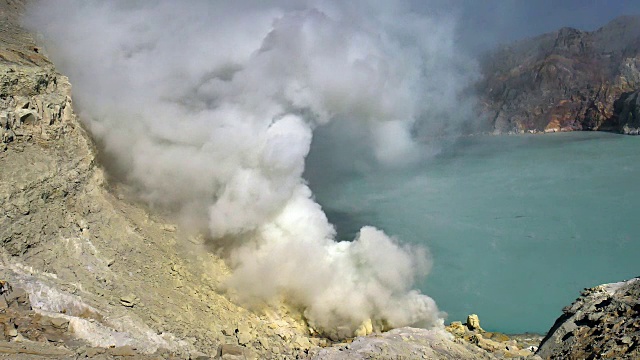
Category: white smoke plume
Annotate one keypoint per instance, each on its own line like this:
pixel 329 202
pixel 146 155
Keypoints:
pixel 209 108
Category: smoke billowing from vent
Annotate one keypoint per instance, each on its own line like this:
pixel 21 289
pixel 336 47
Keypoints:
pixel 209 108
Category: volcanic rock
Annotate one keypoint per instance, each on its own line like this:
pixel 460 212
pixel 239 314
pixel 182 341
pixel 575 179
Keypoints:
pixel 603 322
pixel 497 344
pixel 628 110
pixel 72 245
pixel 404 343
pixel 565 80
pixel 473 322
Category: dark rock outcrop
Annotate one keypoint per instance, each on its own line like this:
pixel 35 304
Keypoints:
pixel 627 109
pixel 564 81
pixel 602 323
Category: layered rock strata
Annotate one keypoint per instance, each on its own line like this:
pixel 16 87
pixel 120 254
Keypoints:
pixel 564 81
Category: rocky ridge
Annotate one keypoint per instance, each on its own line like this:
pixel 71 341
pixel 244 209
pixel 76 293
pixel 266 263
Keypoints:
pixel 604 322
pixel 564 81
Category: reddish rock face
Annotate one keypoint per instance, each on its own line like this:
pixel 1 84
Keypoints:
pixel 562 81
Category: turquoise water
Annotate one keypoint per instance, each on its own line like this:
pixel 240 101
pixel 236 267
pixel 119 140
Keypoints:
pixel 516 225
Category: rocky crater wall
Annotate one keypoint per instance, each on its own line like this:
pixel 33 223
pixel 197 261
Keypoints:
pixel 564 81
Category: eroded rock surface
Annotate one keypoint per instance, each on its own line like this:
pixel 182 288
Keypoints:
pixel 498 344
pixel 564 81
pixel 602 323
pixel 627 109
pixel 119 275
pixel 404 343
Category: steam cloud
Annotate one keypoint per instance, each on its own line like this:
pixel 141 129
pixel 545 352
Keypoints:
pixel 209 107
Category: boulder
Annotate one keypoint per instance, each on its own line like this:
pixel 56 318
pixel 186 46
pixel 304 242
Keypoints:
pixel 473 323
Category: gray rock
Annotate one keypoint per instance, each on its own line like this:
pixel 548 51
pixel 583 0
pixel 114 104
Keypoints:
pixel 18 298
pixel 603 321
pixel 403 343
pixel 628 109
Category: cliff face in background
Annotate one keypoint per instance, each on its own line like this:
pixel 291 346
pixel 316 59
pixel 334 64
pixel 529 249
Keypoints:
pixel 565 81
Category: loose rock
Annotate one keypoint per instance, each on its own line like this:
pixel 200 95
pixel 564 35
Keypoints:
pixel 473 323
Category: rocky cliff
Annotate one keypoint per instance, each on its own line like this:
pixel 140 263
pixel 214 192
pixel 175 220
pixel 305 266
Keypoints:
pixel 82 269
pixel 564 81
pixel 602 323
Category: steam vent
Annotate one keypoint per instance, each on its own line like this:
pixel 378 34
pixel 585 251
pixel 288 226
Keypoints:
pixel 319 180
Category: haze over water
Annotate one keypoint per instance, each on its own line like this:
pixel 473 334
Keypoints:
pixel 516 225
